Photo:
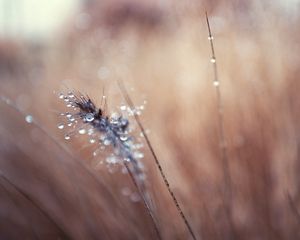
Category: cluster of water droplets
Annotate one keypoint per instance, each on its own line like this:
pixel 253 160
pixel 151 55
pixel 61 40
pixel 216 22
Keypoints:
pixel 112 136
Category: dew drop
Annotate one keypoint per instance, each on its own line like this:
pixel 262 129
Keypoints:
pixel 89 117
pixel 68 115
pixel 90 131
pixel 71 95
pixel 112 159
pixel 213 60
pixel 210 38
pixel 70 124
pixel 123 107
pixel 138 155
pixel 138 112
pixel 106 142
pixel 92 140
pixel 115 116
pixel 60 126
pixel 29 119
pixel 67 137
pixel 69 105
pixel 61 96
pixel 216 83
pixel 123 138
pixel 81 131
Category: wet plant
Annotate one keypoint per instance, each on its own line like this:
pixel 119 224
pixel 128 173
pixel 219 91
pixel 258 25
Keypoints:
pixel 108 131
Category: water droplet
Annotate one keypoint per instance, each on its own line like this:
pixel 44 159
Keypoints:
pixel 89 117
pixel 90 131
pixel 71 119
pixel 67 137
pixel 69 105
pixel 106 142
pixel 81 131
pixel 216 83
pixel 70 124
pixel 68 115
pixel 29 119
pixel 138 155
pixel 95 153
pixel 137 146
pixel 137 112
pixel 112 159
pixel 124 122
pixel 92 140
pixel 213 60
pixel 71 95
pixel 60 126
pixel 115 116
pixel 123 137
pixel 123 107
pixel 66 99
pixel 210 38
pixel 61 96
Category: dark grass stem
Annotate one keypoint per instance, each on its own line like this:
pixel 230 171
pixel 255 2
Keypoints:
pixel 222 141
pixel 157 162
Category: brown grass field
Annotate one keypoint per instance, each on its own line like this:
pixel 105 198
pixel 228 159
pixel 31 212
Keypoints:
pixel 53 189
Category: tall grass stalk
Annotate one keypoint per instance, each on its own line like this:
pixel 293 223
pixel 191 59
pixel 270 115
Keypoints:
pixel 157 162
pixel 227 194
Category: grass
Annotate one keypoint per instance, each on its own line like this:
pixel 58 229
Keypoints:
pixel 168 60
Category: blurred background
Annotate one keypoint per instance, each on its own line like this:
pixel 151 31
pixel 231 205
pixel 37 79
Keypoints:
pixel 160 49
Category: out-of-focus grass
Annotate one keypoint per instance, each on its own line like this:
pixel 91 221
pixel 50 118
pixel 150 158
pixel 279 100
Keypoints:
pixel 163 53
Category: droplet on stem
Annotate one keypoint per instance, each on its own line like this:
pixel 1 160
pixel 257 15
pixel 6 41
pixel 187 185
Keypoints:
pixel 67 137
pixel 216 83
pixel 81 131
pixel 29 119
